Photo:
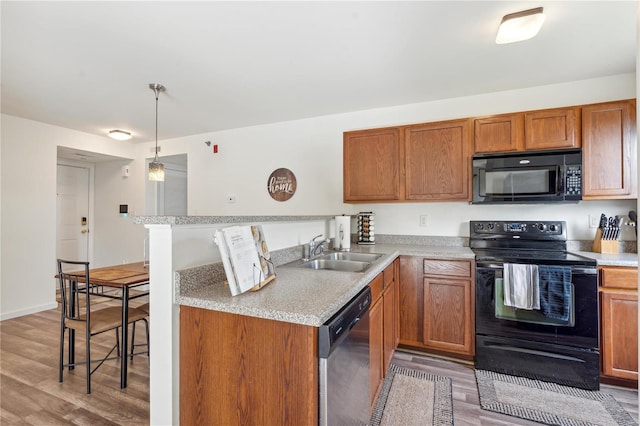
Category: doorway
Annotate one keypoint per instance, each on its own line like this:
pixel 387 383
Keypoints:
pixel 73 212
pixel 169 198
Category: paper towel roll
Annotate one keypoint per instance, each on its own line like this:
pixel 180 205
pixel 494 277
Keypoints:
pixel 343 233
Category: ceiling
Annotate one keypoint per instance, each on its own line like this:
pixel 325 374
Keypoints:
pixel 87 65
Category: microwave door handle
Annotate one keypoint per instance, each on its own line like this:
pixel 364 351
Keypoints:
pixel 560 177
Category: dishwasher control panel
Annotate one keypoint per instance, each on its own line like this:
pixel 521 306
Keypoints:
pixel 330 333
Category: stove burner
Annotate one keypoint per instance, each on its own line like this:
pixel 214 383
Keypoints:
pixel 533 256
pixel 523 242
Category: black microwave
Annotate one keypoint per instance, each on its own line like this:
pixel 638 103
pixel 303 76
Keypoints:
pixel 527 177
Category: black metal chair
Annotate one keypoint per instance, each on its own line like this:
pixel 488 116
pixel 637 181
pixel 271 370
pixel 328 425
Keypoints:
pixel 83 317
pixel 144 308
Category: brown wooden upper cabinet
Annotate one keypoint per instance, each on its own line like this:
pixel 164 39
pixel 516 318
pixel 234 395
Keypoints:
pixel 437 161
pixel 429 162
pixel 372 165
pixel 557 128
pixel 609 149
pixel 498 133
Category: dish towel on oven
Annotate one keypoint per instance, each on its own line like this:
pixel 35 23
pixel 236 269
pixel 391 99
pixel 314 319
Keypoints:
pixel 555 291
pixel 520 285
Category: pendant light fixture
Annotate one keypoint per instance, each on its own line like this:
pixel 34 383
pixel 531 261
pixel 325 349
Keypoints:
pixel 156 168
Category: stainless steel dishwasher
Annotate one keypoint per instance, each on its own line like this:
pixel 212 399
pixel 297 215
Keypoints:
pixel 343 348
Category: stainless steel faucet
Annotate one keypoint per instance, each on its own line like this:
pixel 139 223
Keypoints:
pixel 314 245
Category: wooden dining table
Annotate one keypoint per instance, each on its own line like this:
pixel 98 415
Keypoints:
pixel 123 277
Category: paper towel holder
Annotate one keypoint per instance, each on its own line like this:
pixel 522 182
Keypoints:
pixel 342 241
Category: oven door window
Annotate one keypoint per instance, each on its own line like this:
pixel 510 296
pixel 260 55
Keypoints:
pixel 539 181
pixel 532 316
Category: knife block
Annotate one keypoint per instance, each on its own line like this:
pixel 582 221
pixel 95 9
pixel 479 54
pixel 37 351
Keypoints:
pixel 604 246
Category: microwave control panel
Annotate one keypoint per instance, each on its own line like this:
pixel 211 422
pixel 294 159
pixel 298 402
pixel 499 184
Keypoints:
pixel 574 180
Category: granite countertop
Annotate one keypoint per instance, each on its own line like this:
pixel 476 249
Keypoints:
pixel 311 297
pixel 298 295
pixel 217 220
pixel 605 259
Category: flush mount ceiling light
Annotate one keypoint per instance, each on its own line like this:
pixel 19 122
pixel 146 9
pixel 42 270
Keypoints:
pixel 156 168
pixel 520 26
pixel 119 135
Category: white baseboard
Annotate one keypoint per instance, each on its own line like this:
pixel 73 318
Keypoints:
pixel 31 310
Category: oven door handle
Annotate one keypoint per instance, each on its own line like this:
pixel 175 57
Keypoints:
pixel 584 271
pixel 489 265
pixel 574 269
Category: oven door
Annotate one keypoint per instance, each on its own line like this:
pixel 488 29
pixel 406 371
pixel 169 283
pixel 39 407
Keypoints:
pixel 494 319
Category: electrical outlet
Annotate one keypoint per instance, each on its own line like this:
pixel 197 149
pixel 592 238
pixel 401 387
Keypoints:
pixel 231 198
pixel 594 221
pixel 423 220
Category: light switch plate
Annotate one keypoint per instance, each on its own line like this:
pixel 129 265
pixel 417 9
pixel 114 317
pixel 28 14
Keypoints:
pixel 593 221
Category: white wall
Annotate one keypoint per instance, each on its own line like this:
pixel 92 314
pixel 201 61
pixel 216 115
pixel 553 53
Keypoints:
pixel 28 227
pixel 311 148
pixel 116 238
pixel 28 217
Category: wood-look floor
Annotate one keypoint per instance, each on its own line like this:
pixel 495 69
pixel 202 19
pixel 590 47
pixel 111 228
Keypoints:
pixel 466 402
pixel 31 395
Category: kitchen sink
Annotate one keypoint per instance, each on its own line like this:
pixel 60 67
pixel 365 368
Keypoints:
pixel 338 261
pixel 359 257
pixel 332 265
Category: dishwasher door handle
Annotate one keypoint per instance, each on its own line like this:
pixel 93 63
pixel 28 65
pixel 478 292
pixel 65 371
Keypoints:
pixel 354 322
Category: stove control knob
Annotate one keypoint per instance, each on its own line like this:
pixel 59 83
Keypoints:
pixel 491 225
pixel 541 226
pixel 553 228
pixel 479 226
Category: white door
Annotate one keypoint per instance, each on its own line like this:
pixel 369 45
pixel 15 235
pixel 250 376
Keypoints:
pixel 72 213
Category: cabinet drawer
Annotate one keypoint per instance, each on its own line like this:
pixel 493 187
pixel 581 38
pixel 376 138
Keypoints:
pixel 454 268
pixel 619 277
pixel 389 275
pixel 376 287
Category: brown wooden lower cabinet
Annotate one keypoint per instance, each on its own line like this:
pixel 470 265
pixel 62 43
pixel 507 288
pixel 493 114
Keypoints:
pixel 376 338
pixel 239 370
pixel 447 319
pixel 437 305
pixel 383 326
pixel 389 324
pixel 619 324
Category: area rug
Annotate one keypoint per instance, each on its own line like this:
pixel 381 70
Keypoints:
pixel 548 403
pixel 410 397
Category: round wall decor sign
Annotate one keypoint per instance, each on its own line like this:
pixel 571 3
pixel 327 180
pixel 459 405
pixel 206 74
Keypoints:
pixel 281 184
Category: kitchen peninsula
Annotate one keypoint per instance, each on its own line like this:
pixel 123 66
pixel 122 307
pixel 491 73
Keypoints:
pixel 178 245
